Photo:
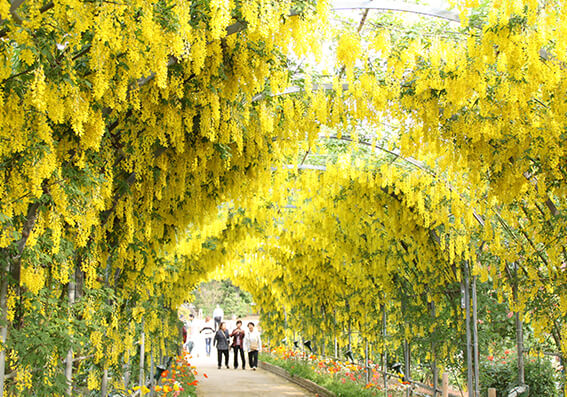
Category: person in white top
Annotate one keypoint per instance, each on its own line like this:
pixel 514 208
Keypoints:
pixel 218 314
pixel 253 345
pixel 208 331
pixel 190 327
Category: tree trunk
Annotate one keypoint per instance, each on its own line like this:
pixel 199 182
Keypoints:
pixel 470 384
pixel 152 370
pixel 434 355
pixel 336 349
pixel 142 352
pixel 366 362
pixel 104 383
pixel 520 347
pixel 127 375
pixel 519 330
pixel 407 364
pixel 69 359
pixel 349 337
pixel 4 327
pixel 556 334
pixel 385 350
pixel 12 265
pixel 476 357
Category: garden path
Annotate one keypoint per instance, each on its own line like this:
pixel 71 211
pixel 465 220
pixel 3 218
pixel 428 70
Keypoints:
pixel 239 383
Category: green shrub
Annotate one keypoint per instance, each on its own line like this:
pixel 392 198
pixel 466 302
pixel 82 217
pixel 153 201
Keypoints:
pixel 501 373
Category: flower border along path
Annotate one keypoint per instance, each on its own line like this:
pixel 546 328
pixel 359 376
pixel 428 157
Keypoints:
pixel 305 383
pixel 332 377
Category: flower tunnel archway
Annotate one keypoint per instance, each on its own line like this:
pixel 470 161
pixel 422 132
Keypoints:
pixel 133 161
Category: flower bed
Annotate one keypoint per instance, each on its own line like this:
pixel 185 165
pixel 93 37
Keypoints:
pixel 341 378
pixel 500 371
pixel 178 381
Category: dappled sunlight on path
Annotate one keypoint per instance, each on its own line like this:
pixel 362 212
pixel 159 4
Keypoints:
pixel 238 382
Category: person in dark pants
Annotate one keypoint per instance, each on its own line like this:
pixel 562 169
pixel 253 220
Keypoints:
pixel 221 343
pixel 238 344
pixel 252 345
pixel 218 314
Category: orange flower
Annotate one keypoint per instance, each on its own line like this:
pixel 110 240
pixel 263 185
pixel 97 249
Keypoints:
pixel 205 375
pixel 164 374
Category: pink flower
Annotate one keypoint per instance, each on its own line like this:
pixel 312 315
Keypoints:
pixel 510 314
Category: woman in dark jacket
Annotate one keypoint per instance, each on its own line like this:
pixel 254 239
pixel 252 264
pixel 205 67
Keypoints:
pixel 221 342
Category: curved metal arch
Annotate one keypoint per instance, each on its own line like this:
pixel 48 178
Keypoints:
pixel 339 5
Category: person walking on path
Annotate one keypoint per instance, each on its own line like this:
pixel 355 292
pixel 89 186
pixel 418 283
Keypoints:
pixel 238 344
pixel 190 338
pixel 218 314
pixel 252 344
pixel 221 342
pixel 208 331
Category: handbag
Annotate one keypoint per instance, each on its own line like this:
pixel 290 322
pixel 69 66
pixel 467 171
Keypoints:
pixel 253 344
